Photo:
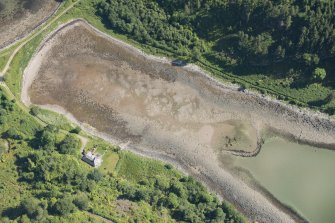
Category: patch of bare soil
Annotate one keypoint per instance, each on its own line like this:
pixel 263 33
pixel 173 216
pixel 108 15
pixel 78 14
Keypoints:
pixel 166 112
pixel 19 17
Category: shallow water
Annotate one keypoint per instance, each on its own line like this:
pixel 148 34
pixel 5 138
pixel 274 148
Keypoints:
pixel 300 176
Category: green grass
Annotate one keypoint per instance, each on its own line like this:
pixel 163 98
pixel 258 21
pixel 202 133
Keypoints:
pixel 4 56
pixel 138 168
pixel 110 159
pixel 55 119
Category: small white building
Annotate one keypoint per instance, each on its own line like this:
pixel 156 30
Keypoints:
pixel 92 159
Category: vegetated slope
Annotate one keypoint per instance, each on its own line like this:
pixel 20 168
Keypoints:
pixel 289 44
pixel 44 180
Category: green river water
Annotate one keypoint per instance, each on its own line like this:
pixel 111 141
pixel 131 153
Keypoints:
pixel 300 176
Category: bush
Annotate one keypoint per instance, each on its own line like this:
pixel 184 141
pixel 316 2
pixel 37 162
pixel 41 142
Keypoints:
pixel 95 175
pixel 31 206
pixel 168 166
pixel 69 145
pixel 64 206
pixel 13 134
pixel 319 74
pixel 76 130
pixel 82 202
pixel 34 110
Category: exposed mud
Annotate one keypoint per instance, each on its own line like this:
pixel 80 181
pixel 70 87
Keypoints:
pixel 156 108
pixel 19 17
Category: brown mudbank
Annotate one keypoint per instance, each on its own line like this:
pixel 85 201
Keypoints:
pixel 133 99
pixel 161 109
pixel 19 17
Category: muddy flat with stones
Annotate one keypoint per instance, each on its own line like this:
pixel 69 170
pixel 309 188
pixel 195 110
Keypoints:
pixel 19 17
pixel 134 99
pixel 176 112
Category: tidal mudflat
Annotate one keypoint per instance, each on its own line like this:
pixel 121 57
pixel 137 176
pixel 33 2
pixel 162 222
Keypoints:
pixel 18 17
pixel 167 111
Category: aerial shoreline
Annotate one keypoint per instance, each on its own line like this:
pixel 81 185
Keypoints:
pixel 305 113
pixel 27 80
pixel 9 43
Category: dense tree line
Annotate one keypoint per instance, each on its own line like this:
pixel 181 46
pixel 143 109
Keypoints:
pixel 187 199
pixel 253 32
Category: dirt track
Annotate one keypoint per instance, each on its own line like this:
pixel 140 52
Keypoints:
pixel 165 112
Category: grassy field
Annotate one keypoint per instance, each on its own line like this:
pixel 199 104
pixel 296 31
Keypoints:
pixel 53 118
pixel 4 56
pixel 137 169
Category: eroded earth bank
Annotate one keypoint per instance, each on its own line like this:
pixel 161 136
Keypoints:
pixel 19 17
pixel 167 111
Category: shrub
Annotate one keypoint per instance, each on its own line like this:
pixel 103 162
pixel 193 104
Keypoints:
pixel 31 206
pixel 64 206
pixel 319 74
pixel 69 145
pixel 76 130
pixel 95 175
pixel 13 134
pixel 81 201
pixel 34 110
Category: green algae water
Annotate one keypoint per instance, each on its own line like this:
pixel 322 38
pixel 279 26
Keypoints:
pixel 300 176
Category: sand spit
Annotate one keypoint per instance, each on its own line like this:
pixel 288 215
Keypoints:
pixel 79 98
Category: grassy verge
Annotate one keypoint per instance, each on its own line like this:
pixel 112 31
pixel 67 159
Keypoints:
pixel 4 56
pixel 53 118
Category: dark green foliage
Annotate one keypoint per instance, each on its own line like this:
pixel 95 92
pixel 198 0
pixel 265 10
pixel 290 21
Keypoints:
pixel 64 206
pixel 187 199
pixel 12 133
pixel 76 130
pixel 81 201
pixel 95 175
pixel 6 104
pixel 168 166
pixel 47 138
pixel 319 74
pixel 148 23
pixel 253 32
pixel 34 110
pixel 33 208
pixel 69 145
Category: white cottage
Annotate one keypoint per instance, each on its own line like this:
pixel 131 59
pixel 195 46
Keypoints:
pixel 92 159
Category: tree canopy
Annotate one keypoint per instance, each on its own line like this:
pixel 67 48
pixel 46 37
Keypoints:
pixel 256 33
